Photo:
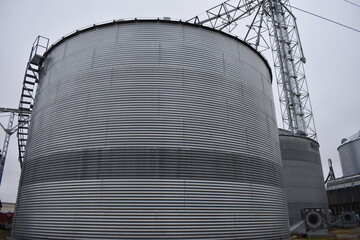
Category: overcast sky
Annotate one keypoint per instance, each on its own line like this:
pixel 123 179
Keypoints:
pixel 332 54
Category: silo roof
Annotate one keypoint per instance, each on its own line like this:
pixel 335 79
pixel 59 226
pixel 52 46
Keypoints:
pixel 283 132
pixel 353 138
pixel 165 19
pixel 287 133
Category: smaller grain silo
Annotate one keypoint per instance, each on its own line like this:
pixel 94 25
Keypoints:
pixel 349 152
pixel 304 183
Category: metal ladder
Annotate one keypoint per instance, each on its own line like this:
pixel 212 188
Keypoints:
pixel 31 80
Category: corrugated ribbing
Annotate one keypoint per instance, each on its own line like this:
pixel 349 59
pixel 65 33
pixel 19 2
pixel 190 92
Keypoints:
pixel 151 209
pixel 152 130
pixel 349 157
pixel 169 163
pixel 303 175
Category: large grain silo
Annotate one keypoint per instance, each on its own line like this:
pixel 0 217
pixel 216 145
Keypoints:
pixel 152 129
pixel 349 152
pixel 304 182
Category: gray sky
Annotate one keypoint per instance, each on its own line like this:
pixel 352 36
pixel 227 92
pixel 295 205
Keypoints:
pixel 332 54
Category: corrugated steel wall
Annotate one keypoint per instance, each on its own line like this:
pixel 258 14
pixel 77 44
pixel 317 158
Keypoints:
pixel 152 130
pixel 303 175
pixel 343 198
pixel 350 158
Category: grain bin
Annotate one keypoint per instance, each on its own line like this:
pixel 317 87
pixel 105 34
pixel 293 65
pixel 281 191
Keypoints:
pixel 349 152
pixel 152 129
pixel 304 182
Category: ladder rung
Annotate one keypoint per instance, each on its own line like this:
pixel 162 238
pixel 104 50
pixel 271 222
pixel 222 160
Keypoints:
pixel 25 95
pixel 25 108
pixel 33 69
pixel 24 105
pixel 31 83
pixel 25 99
pixel 28 89
pixel 31 76
pixel 25 102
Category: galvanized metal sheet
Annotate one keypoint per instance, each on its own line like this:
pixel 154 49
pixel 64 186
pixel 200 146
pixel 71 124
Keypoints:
pixel 152 130
pixel 303 175
pixel 349 153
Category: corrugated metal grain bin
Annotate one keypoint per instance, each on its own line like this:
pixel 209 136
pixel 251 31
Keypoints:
pixel 349 152
pixel 303 177
pixel 152 130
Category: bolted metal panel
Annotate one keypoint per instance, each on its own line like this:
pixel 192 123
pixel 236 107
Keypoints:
pixel 152 130
pixel 349 152
pixel 303 175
